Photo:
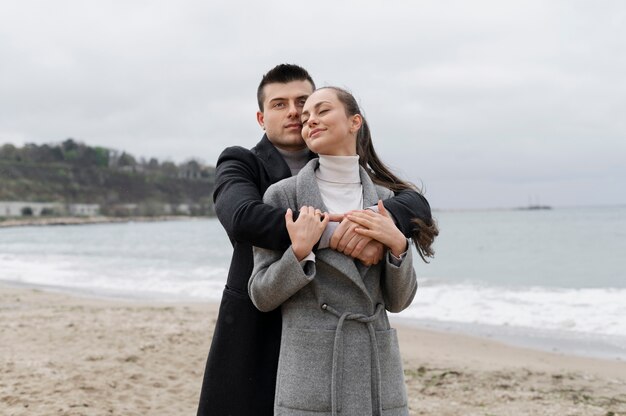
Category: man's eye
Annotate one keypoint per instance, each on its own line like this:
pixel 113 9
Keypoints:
pixel 278 105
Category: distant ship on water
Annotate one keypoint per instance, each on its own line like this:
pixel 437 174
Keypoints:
pixel 534 206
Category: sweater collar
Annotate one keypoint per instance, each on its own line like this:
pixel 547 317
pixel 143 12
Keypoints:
pixel 338 169
pixel 295 159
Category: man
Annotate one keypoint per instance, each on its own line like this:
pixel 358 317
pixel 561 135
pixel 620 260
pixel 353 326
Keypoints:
pixel 240 374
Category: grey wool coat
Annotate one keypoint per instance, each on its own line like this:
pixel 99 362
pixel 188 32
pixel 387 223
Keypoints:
pixel 338 354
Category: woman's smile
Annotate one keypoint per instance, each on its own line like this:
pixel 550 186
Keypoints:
pixel 315 132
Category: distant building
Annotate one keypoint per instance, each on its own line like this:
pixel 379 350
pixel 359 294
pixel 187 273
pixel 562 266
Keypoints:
pixel 180 209
pixel 38 209
pixel 84 210
pixel 35 209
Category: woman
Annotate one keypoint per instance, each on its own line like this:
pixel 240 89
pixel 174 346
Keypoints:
pixel 338 352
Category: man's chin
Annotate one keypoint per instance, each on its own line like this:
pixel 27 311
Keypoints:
pixel 295 140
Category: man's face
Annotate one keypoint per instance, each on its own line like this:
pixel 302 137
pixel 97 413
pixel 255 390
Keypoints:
pixel 280 118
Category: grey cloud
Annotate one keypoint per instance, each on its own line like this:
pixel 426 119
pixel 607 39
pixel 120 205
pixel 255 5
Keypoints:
pixel 485 102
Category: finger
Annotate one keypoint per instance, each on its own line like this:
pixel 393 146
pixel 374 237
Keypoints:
pixel 318 212
pixel 325 220
pixel 335 217
pixel 364 231
pixel 363 242
pixel 363 214
pixel 347 236
pixel 381 208
pixel 338 234
pixel 364 222
pixel 289 216
pixel 350 245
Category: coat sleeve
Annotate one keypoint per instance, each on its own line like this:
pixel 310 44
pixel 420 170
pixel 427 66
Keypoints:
pixel 405 206
pixel 399 283
pixel 239 202
pixel 277 275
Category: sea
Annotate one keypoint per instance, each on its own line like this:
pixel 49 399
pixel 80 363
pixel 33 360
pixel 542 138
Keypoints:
pixel 548 279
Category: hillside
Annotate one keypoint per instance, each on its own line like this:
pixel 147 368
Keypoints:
pixel 74 173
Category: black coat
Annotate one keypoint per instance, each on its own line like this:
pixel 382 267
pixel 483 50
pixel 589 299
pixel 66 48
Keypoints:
pixel 240 374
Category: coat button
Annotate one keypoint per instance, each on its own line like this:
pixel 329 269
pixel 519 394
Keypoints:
pixel 324 306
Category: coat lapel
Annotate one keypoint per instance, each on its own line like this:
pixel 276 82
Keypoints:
pixel 370 196
pixel 275 165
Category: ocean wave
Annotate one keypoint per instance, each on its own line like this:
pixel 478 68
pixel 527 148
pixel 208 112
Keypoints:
pixel 586 310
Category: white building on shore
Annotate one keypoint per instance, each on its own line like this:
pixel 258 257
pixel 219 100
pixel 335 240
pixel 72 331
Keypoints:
pixel 38 209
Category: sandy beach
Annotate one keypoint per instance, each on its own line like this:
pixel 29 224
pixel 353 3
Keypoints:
pixel 68 355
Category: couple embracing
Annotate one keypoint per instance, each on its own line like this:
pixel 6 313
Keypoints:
pixel 322 233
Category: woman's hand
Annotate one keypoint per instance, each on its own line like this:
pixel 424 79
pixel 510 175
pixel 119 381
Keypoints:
pixel 379 226
pixel 306 231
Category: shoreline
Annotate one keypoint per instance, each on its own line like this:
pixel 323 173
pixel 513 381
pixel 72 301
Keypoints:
pixel 77 355
pixel 53 221
pixel 584 345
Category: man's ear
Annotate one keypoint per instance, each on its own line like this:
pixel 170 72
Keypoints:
pixel 357 120
pixel 260 119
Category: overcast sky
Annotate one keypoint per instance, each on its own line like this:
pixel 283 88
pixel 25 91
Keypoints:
pixel 484 103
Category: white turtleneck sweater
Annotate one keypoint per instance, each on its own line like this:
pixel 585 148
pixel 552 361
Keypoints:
pixel 339 183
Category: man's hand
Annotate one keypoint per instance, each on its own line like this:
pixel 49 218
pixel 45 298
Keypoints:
pixel 380 227
pixel 306 230
pixel 358 246
pixel 345 240
pixel 372 253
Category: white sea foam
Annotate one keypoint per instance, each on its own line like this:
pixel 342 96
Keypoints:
pixel 70 273
pixel 591 310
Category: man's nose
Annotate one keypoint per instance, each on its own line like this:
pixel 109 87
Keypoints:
pixel 294 111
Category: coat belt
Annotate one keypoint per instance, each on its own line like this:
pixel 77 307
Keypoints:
pixel 376 379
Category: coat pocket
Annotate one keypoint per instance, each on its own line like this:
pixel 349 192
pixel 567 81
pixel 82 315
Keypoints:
pixel 393 389
pixel 305 370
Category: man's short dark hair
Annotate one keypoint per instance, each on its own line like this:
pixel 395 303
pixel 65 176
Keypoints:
pixel 282 74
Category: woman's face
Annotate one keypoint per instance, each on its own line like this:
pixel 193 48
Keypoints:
pixel 326 128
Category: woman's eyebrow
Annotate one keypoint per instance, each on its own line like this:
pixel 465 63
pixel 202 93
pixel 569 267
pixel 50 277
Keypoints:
pixel 316 106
